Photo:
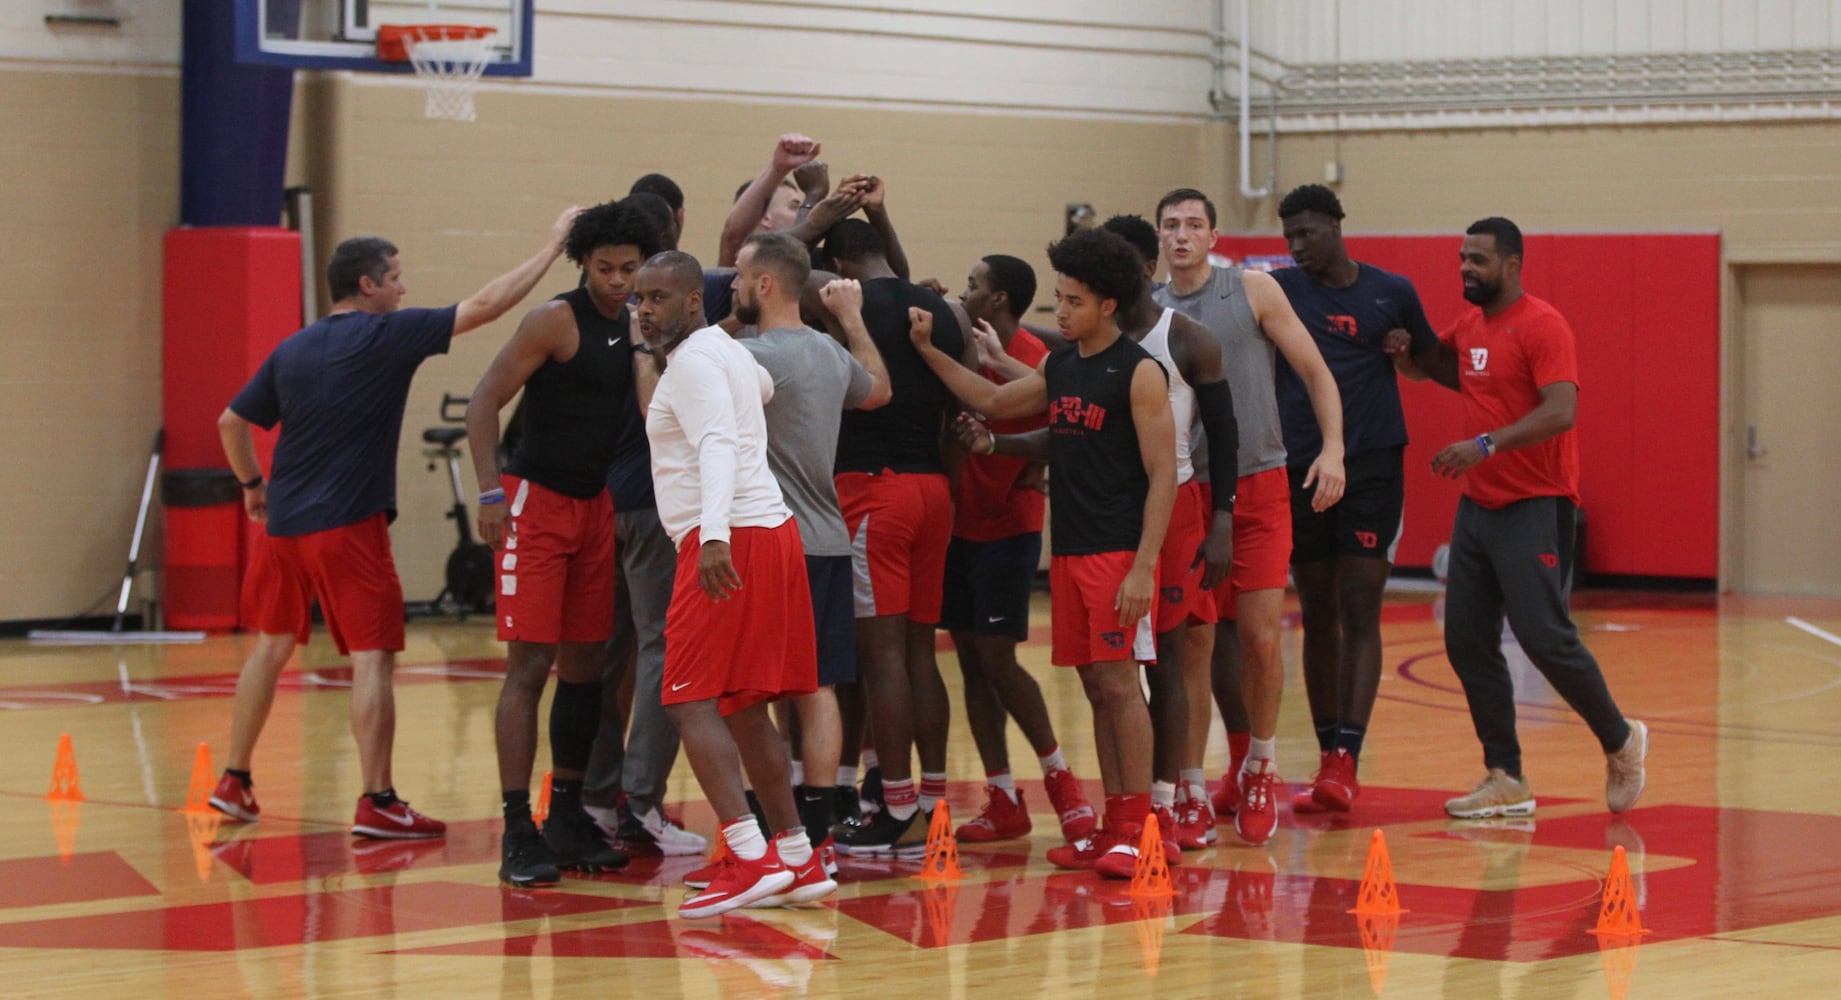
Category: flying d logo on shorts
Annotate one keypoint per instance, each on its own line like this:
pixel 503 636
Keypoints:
pixel 1368 539
pixel 1113 640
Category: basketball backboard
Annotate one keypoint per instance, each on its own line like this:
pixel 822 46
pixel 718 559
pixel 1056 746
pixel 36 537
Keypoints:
pixel 342 34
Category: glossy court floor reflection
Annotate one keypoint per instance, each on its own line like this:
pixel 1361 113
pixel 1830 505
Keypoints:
pixel 1735 850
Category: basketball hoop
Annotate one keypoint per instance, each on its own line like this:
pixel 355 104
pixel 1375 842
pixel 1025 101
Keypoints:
pixel 448 58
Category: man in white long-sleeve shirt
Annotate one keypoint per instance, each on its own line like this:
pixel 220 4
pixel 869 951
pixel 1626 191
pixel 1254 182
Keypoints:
pixel 739 630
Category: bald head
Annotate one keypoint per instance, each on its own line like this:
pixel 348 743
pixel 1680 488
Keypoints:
pixel 669 287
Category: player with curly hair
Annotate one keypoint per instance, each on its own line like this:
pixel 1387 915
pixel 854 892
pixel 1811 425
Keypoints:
pixel 1112 486
pixel 550 517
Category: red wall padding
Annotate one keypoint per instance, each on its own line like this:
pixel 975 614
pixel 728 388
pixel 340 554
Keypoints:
pixel 1646 310
pixel 231 295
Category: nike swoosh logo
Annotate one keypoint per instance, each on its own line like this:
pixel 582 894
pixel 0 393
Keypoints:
pixel 1112 371
pixel 680 687
pixel 611 341
pixel 995 619
pixel 404 821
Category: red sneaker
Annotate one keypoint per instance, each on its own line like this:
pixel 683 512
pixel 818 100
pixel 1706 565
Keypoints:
pixel 1305 802
pixel 700 878
pixel 1002 819
pixel 738 883
pixel 1226 798
pixel 1119 860
pixel 810 884
pixel 399 822
pixel 1258 813
pixel 1195 825
pixel 1071 806
pixel 827 854
pixel 1167 826
pixel 1335 787
pixel 236 800
pixel 1081 854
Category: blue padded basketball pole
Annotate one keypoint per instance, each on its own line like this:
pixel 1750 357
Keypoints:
pixel 233 122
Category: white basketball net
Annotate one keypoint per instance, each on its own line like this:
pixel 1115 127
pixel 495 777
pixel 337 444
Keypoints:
pixel 450 68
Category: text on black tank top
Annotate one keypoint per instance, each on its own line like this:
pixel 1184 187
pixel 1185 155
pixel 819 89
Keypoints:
pixel 904 435
pixel 573 409
pixel 1096 483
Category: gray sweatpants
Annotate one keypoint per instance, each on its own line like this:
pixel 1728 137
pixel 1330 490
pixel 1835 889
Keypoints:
pixel 1518 559
pixel 645 563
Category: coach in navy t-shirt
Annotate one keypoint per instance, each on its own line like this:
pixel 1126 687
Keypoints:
pixel 1341 557
pixel 337 390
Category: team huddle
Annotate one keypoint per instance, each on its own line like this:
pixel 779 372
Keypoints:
pixel 756 489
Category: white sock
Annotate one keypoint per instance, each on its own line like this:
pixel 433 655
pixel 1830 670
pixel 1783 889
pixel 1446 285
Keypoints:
pixel 798 774
pixel 1054 761
pixel 1192 785
pixel 1258 751
pixel 1163 795
pixel 744 838
pixel 870 761
pixel 1003 780
pixel 794 846
pixel 846 777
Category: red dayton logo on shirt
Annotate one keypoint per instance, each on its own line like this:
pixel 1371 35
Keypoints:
pixel 1343 324
pixel 1479 358
pixel 1073 410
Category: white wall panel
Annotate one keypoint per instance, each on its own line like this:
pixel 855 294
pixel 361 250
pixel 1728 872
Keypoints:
pixel 148 34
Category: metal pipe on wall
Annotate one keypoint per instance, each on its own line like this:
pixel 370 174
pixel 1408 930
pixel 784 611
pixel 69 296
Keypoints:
pixel 1247 190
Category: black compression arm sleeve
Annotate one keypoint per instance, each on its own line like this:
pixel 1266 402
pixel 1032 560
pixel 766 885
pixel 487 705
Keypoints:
pixel 1215 403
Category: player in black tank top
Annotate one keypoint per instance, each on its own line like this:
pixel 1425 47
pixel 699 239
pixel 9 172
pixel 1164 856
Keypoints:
pixel 1112 470
pixel 574 410
pixel 1098 485
pixel 904 435
pixel 572 356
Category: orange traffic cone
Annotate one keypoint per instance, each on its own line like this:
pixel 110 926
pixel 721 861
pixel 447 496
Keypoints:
pixel 1151 878
pixel 1618 956
pixel 204 783
pixel 1152 915
pixel 941 906
pixel 540 810
pixel 1379 896
pixel 64 787
pixel 942 861
pixel 1617 915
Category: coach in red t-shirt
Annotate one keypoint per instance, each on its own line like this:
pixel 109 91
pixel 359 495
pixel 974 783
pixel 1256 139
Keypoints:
pixel 1514 363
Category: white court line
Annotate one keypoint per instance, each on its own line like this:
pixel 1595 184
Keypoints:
pixel 1812 630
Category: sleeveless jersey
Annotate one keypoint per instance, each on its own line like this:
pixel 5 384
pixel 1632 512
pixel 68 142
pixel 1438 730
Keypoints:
pixel 1182 396
pixel 1097 485
pixel 903 436
pixel 574 410
pixel 1248 356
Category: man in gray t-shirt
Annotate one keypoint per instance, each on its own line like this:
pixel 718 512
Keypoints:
pixel 814 381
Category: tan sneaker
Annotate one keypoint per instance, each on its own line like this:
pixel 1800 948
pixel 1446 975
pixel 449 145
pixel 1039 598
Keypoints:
pixel 1497 795
pixel 1624 776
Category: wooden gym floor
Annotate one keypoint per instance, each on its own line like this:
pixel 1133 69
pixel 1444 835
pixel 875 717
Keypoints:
pixel 1735 848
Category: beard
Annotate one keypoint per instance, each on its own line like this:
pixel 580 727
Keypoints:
pixel 748 311
pixel 1482 293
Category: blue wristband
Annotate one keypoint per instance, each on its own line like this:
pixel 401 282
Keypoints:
pixel 492 496
pixel 1487 443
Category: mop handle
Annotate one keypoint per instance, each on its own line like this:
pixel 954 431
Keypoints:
pixel 140 526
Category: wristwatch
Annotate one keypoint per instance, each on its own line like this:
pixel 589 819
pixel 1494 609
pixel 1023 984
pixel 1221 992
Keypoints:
pixel 1487 443
pixel 253 483
pixel 641 347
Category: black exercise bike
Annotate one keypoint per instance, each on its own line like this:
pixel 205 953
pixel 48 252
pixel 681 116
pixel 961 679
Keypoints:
pixel 470 586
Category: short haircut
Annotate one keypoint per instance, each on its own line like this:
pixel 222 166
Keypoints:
pixel 854 240
pixel 682 267
pixel 1013 277
pixel 785 183
pixel 612 224
pixel 783 256
pixel 358 257
pixel 1140 234
pixel 662 186
pixel 1310 198
pixel 655 208
pixel 1181 195
pixel 1102 261
pixel 1507 234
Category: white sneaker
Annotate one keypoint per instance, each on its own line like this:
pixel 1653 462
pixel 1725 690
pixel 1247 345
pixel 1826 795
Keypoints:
pixel 1624 776
pixel 655 828
pixel 1496 795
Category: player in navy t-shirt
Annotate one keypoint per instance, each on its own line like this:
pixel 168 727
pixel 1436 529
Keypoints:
pixel 1340 557
pixel 337 389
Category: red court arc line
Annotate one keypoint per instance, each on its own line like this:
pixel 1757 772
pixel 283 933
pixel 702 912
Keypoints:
pixel 267 817
pixel 1775 944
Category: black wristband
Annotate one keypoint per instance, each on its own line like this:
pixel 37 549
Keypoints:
pixel 253 483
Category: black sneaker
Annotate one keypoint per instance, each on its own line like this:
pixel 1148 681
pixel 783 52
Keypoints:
pixel 526 860
pixel 577 842
pixel 848 810
pixel 872 800
pixel 883 835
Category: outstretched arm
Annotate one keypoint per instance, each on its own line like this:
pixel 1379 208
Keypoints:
pixel 790 152
pixel 1020 398
pixel 876 208
pixel 497 296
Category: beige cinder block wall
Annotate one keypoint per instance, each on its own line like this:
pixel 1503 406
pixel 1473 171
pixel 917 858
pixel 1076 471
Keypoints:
pixel 89 183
